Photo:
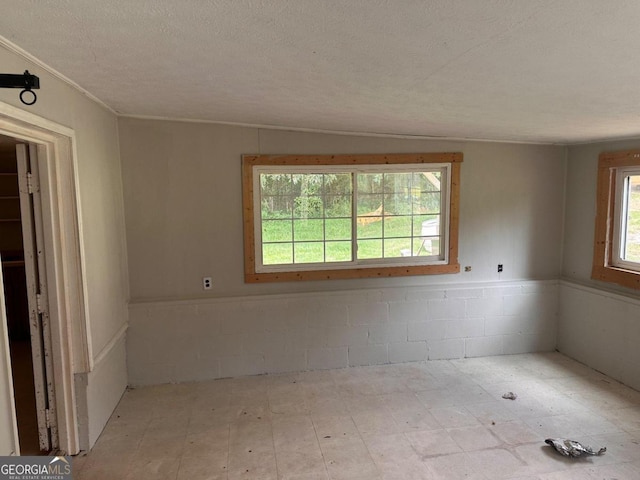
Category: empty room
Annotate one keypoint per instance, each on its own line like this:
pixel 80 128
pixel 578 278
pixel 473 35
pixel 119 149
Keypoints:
pixel 320 240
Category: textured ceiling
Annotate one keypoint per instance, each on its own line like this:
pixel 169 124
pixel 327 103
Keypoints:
pixel 559 71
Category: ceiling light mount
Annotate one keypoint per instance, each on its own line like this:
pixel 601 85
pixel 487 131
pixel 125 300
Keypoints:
pixel 26 81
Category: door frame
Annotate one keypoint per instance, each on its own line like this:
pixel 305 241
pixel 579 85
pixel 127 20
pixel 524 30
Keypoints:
pixel 64 257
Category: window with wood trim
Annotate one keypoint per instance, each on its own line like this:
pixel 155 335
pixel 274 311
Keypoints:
pixel 616 255
pixel 312 217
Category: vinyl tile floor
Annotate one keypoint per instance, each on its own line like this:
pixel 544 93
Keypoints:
pixel 432 420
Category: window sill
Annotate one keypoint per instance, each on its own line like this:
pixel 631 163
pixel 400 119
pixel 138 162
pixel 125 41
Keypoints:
pixel 620 276
pixel 352 273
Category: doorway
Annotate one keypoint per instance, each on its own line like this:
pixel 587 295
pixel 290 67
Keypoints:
pixel 61 303
pixel 29 342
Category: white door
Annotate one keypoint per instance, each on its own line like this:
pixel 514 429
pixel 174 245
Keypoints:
pixel 34 261
pixel 8 425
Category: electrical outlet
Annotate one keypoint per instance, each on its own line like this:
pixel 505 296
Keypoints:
pixel 207 283
pixel 499 268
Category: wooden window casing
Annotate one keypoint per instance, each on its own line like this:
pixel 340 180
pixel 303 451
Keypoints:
pixel 603 263
pixel 250 161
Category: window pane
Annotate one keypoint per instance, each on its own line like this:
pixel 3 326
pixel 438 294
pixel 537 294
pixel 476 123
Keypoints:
pixel 276 184
pixel 338 251
pixel 426 246
pixel 276 231
pixel 397 183
pixel 277 206
pixel 308 207
pixel 309 252
pixel 277 253
pixel 397 247
pixel 307 183
pixel 369 227
pixel 337 184
pixel 397 204
pixel 426 182
pixel 369 205
pixel 308 230
pixel 338 229
pixel 426 203
pixel 426 225
pixel 631 247
pixel 337 206
pixel 370 183
pixel 397 226
pixel 369 249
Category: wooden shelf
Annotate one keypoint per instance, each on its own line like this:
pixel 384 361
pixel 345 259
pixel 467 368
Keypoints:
pixel 3 220
pixel 13 263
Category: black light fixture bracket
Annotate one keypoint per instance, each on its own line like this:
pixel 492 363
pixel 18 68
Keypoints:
pixel 26 81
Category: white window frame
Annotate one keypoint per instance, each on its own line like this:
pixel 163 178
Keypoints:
pixel 401 266
pixel 620 218
pixel 441 259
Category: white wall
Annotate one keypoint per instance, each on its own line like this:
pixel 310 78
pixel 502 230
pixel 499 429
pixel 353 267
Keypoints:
pixel 183 201
pixel 599 323
pixel 182 187
pixel 102 212
pixel 602 330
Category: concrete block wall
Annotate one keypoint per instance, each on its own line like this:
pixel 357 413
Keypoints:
pixel 602 330
pixel 213 338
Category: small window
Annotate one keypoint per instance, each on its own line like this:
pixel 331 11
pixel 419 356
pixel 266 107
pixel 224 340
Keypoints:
pixel 617 245
pixel 347 216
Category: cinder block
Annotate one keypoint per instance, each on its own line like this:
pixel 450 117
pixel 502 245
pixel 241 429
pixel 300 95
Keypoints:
pixel 447 308
pixel 347 336
pixel 407 352
pixel 529 304
pixel 406 312
pixel 233 319
pixel 324 358
pixel 238 365
pixel 307 338
pixel 368 313
pixel 368 355
pixel 484 307
pixel 262 343
pixel 431 330
pixel 282 363
pixel 484 346
pixel 502 325
pixel 446 349
pixel 465 327
pixel 387 333
pixel 191 368
pixel 218 346
pixel 328 315
pixel 529 343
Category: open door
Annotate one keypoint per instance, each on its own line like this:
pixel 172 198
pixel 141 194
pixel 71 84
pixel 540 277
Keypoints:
pixel 39 326
pixel 9 444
